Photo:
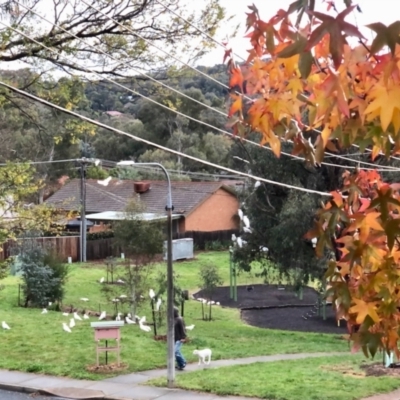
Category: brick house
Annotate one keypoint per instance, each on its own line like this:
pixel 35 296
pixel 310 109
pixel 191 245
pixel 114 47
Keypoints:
pixel 198 206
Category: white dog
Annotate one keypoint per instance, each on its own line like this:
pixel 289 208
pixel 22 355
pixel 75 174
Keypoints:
pixel 203 354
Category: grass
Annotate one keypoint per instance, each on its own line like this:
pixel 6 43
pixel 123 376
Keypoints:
pixel 37 343
pixel 328 378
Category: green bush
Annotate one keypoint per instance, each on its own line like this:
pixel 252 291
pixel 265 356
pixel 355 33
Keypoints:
pixel 44 276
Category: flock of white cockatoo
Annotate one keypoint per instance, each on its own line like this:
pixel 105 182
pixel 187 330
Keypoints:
pixel 245 222
pixel 67 327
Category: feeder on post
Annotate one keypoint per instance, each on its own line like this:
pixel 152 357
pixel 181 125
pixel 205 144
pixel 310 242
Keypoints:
pixel 108 330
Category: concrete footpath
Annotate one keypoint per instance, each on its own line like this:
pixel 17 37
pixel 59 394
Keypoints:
pixel 131 386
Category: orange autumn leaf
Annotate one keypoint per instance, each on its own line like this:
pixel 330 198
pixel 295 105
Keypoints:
pixel 363 309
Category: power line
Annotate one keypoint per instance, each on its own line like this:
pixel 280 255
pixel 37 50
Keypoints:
pixel 224 47
pixel 189 97
pixel 184 115
pixel 175 111
pixel 166 149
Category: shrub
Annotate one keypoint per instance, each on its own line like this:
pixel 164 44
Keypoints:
pixel 44 276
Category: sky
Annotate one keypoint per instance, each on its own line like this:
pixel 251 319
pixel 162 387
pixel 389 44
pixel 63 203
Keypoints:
pixel 385 11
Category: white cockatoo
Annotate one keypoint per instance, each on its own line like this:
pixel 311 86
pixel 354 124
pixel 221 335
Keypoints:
pixel 84 299
pixel 65 314
pixel 71 323
pixel 233 237
pixel 246 229
pixel 239 241
pixel 85 316
pixel 102 315
pixel 257 184
pixel 4 325
pixel 129 321
pixel 142 320
pixel 76 316
pixel 66 328
pixel 240 212
pixel 118 317
pixel 152 294
pixel 44 311
pixel 105 182
pixel 120 281
pixel 190 327
pixel 158 304
pixel 246 221
pixel 145 328
pixel 123 296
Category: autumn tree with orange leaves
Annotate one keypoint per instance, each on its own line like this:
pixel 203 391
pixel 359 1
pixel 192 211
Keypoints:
pixel 304 82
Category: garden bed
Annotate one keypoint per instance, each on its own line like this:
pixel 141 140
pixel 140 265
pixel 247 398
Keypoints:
pixel 278 307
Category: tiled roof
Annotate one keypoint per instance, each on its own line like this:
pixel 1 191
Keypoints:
pixel 186 196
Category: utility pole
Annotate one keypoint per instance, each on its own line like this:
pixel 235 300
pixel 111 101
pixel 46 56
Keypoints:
pixel 82 244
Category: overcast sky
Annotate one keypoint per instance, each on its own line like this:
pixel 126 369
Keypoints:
pixel 384 11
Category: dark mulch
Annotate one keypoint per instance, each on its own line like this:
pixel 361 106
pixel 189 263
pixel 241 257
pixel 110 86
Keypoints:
pixel 261 296
pixel 107 368
pixel 266 306
pixel 378 369
pixel 293 319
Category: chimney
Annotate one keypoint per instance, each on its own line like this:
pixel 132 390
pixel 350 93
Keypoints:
pixel 141 187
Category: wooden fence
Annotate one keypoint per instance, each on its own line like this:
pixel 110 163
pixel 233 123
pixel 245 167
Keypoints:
pixel 99 249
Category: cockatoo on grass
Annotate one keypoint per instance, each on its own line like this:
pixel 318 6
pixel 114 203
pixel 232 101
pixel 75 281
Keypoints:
pixel 102 315
pixel 71 323
pixel 102 279
pixel 66 328
pixel 76 316
pixel 44 311
pixel 190 327
pixel 85 316
pixel 145 328
pixel 129 321
pixel 4 325
pixel 84 299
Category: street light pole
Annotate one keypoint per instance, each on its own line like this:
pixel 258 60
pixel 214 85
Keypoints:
pixel 170 276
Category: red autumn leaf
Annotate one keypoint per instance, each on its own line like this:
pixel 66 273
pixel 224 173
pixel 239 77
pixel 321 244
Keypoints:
pixel 236 78
pixel 335 27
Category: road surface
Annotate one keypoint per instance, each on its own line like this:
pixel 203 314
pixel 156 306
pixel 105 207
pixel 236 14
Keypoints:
pixel 6 395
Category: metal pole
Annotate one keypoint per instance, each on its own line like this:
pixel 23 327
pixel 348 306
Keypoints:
pixel 83 215
pixel 170 294
pixel 235 284
pixel 81 227
pixel 170 282
pixel 230 274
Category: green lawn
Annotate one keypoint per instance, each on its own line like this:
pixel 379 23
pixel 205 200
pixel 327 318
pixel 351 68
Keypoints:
pixel 37 343
pixel 327 378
